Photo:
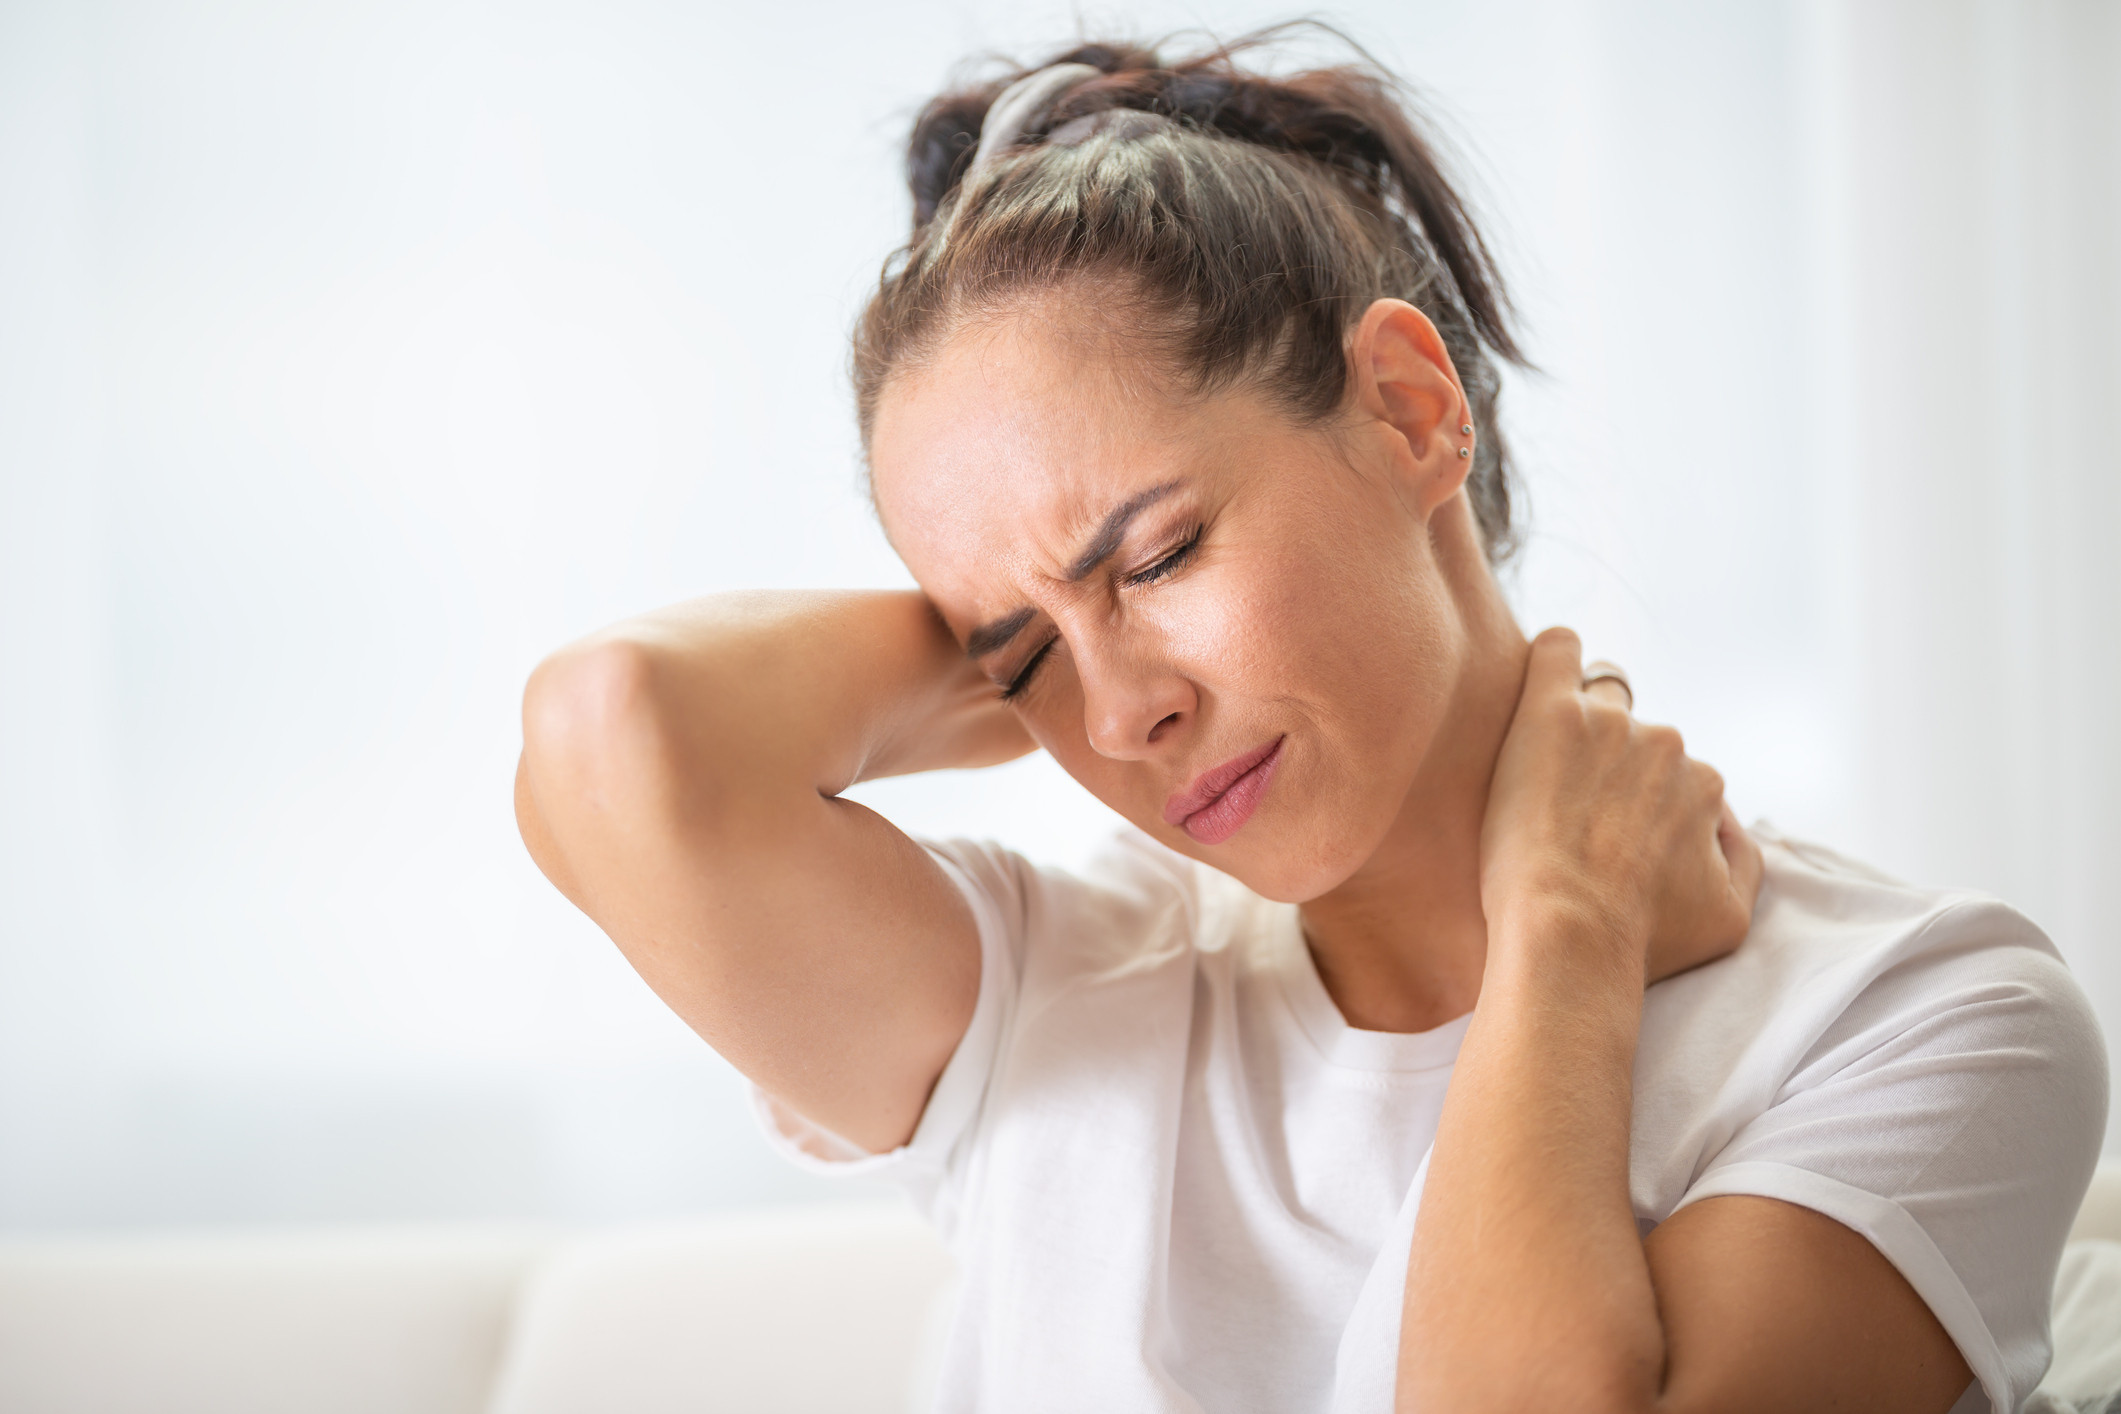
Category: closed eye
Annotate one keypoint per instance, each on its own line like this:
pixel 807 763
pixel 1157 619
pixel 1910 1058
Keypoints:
pixel 1022 679
pixel 1169 564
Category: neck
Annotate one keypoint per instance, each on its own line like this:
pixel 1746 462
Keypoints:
pixel 1402 944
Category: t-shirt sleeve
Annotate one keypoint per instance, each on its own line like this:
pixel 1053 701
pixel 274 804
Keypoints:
pixel 991 880
pixel 1952 1115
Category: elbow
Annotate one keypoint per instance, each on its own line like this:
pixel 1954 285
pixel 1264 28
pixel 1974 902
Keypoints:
pixel 594 727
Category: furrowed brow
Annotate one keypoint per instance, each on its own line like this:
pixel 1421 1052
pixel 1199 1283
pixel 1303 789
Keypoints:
pixel 1114 529
pixel 1103 545
pixel 988 637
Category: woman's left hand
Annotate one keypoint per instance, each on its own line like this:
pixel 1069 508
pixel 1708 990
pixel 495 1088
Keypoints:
pixel 1607 857
pixel 1605 823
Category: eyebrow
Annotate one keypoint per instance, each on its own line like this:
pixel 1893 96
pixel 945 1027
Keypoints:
pixel 988 637
pixel 1103 544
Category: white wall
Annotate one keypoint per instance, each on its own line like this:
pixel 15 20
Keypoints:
pixel 351 357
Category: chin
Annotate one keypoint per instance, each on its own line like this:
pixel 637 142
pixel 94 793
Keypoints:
pixel 1287 870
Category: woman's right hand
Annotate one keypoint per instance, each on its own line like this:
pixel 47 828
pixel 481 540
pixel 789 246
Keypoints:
pixel 960 723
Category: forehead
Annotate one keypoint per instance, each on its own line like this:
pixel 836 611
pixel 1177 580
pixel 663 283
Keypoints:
pixel 1000 454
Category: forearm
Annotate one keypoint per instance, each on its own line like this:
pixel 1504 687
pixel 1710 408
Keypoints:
pixel 1527 1285
pixel 768 691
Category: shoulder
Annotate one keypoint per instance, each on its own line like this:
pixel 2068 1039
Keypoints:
pixel 1858 992
pixel 1950 983
pixel 1133 902
pixel 1812 893
pixel 1831 933
pixel 1887 951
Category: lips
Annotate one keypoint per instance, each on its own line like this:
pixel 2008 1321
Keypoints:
pixel 1219 801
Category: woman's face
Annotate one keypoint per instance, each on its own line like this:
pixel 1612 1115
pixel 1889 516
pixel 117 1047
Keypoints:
pixel 1231 629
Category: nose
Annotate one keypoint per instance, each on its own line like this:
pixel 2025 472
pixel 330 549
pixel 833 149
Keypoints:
pixel 1131 703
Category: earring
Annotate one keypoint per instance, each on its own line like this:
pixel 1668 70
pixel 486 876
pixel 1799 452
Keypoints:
pixel 1465 451
pixel 1467 430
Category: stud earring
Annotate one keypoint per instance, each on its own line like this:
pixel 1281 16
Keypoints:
pixel 1465 451
pixel 1467 429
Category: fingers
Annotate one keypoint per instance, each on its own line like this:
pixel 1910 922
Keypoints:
pixel 1608 682
pixel 1555 665
pixel 1743 855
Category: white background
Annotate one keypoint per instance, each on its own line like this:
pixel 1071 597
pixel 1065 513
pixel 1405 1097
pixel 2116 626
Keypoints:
pixel 351 357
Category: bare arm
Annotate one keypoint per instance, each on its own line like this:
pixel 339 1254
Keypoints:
pixel 679 784
pixel 1528 1285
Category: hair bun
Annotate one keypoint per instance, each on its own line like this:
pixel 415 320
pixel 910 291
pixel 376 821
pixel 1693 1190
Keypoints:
pixel 1201 96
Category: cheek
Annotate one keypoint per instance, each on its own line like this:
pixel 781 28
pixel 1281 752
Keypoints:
pixel 1351 620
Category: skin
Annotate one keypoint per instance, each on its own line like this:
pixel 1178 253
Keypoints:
pixel 1462 825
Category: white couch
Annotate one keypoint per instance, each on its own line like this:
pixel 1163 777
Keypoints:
pixel 824 1309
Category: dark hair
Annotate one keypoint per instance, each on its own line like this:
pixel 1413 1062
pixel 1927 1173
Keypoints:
pixel 1247 221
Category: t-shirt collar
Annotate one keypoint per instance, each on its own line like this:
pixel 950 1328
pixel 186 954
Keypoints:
pixel 1339 1043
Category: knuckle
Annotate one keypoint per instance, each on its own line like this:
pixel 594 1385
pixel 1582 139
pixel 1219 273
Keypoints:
pixel 1557 642
pixel 1664 740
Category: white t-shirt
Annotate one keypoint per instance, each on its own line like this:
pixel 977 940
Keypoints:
pixel 1177 1180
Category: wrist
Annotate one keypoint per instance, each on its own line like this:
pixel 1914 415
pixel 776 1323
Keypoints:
pixel 1568 938
pixel 946 714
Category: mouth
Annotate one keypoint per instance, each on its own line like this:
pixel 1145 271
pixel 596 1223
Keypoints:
pixel 1219 801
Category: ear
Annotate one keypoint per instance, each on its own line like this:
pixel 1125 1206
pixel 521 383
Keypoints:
pixel 1403 379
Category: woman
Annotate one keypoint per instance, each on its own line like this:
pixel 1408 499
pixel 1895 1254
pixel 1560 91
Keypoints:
pixel 1336 1085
